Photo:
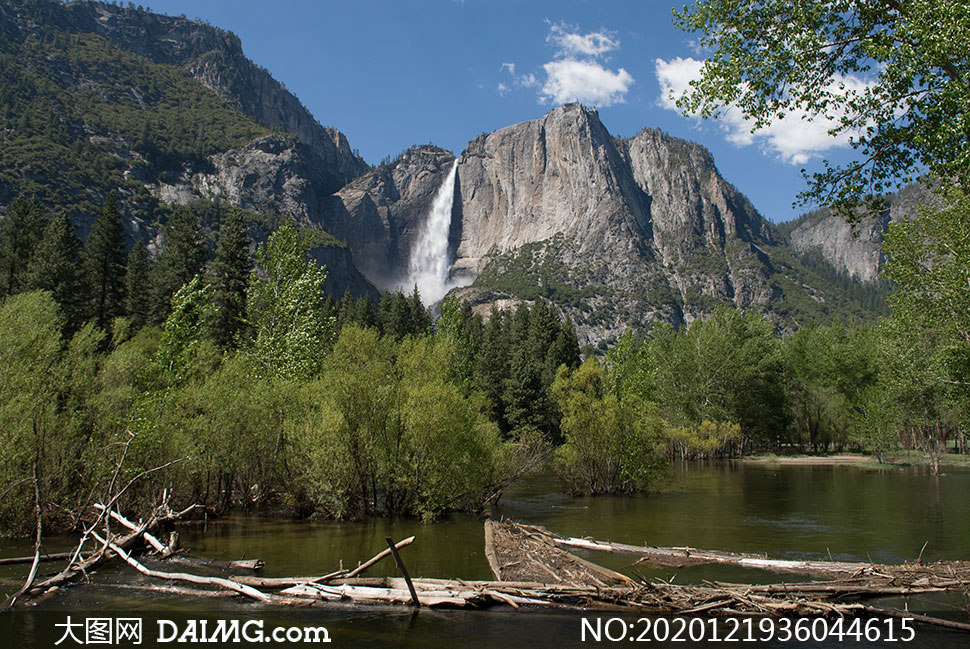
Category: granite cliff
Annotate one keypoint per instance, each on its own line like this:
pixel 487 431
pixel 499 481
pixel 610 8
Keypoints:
pixel 854 249
pixel 615 230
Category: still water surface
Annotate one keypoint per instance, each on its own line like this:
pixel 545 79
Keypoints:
pixel 844 512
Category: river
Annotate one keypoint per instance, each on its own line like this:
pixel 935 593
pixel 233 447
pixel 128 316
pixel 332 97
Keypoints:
pixel 849 513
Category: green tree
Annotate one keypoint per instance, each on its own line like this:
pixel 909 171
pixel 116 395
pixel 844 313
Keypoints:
pixel 726 368
pixel 229 277
pixel 910 112
pixel 104 264
pixel 395 315
pixel 46 384
pixel 182 257
pixel 420 317
pixel 386 433
pixel 55 267
pixel 492 366
pixel 827 372
pixel 454 324
pixel 138 286
pixel 185 349
pixel 285 307
pixel 564 349
pixel 20 230
pixel 610 445
pixel 928 259
pixel 525 397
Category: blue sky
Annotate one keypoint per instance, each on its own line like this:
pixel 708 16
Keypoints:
pixel 394 73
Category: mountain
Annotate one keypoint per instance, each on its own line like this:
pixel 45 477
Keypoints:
pixel 164 110
pixel 615 231
pixel 854 249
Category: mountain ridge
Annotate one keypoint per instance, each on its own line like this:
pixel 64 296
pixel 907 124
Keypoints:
pixel 618 231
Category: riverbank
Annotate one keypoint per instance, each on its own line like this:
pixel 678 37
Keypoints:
pixel 901 458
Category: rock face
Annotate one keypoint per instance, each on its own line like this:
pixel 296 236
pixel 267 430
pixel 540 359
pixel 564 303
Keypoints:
pixel 272 175
pixel 852 249
pixel 380 213
pixel 287 174
pixel 643 228
pixel 855 249
pixel 215 58
pixel 561 174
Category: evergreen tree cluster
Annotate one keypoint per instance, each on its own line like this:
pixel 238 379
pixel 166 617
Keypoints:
pixel 110 277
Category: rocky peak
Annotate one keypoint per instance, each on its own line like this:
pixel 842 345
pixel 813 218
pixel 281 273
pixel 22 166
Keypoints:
pixel 560 174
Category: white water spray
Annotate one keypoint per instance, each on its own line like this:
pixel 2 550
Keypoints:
pixel 429 266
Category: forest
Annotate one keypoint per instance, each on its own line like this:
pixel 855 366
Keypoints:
pixel 217 367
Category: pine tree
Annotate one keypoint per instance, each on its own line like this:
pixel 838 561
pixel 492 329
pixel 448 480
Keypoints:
pixel 230 278
pixel 364 313
pixel 524 397
pixel 55 267
pixel 420 318
pixel 396 316
pixel 564 350
pixel 20 230
pixel 104 262
pixel 345 310
pixel 543 330
pixel 181 258
pixel 492 366
pixel 137 286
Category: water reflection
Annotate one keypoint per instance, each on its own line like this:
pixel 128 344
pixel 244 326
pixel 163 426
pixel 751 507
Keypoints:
pixel 848 513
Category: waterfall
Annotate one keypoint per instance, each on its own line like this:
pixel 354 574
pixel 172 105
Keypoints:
pixel 429 265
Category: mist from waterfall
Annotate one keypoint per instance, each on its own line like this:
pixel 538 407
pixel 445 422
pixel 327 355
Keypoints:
pixel 429 266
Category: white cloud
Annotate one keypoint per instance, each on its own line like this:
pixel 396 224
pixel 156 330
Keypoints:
pixel 577 71
pixel 572 44
pixel 796 138
pixel 675 77
pixel 588 82
pixel 518 80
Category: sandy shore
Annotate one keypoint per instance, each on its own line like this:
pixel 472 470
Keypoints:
pixel 843 458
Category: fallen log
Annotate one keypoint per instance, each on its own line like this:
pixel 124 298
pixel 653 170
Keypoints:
pixel 80 566
pixel 951 573
pixel 229 584
pixel 162 549
pixel 285 582
pixel 54 556
pixel 685 556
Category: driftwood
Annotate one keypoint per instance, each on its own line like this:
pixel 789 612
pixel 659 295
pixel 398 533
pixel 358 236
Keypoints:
pixel 941 574
pixel 165 551
pixel 229 584
pixel 83 559
pixel 56 556
pixel 685 556
pixel 284 582
pixel 533 571
pixel 656 598
pixel 515 553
